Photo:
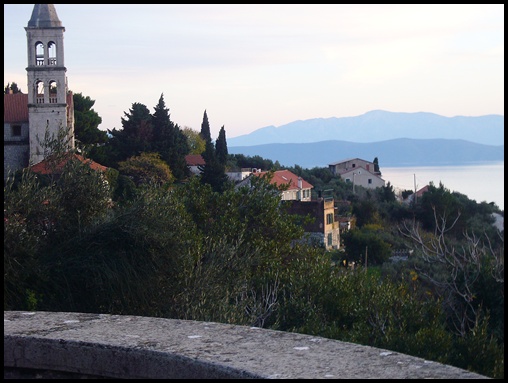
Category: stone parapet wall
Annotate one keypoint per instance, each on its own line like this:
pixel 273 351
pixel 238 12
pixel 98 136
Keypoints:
pixel 59 344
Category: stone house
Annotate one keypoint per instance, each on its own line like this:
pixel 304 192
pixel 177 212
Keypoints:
pixel 357 172
pixel 323 228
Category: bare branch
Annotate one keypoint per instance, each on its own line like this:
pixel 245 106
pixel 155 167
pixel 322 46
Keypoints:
pixel 454 269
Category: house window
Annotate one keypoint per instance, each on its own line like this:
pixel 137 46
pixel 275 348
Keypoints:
pixel 16 130
pixel 329 218
pixel 329 239
pixel 370 180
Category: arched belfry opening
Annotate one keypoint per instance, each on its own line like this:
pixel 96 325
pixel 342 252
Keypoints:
pixel 39 53
pixel 52 59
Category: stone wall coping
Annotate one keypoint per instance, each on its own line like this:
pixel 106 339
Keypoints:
pixel 125 346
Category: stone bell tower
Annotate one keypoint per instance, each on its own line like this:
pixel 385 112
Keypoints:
pixel 50 106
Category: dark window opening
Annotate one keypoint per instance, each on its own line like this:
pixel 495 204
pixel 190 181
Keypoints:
pixel 16 130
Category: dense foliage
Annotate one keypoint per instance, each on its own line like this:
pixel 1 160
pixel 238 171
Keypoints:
pixel 134 242
pixel 86 123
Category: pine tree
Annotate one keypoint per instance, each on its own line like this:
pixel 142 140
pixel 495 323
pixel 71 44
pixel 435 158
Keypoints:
pixel 87 121
pixel 162 125
pixel 135 137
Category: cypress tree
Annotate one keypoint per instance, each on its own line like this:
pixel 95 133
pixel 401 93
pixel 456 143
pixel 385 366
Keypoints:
pixel 169 141
pixel 205 129
pixel 221 147
pixel 376 166
pixel 213 172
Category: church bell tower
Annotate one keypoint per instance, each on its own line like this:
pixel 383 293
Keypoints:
pixel 50 106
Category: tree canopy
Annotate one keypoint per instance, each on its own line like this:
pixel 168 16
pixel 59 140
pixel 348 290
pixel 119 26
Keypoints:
pixel 12 87
pixel 86 122
pixel 195 141
pixel 214 170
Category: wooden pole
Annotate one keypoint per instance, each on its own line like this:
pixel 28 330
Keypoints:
pixel 414 178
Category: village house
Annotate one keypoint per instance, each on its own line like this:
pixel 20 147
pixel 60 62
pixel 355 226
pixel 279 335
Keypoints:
pixel 358 172
pixel 297 188
pixel 414 197
pixel 323 226
pixel 194 162
pixel 240 175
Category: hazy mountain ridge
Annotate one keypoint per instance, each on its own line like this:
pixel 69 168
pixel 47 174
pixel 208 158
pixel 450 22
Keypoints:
pixel 379 125
pixel 391 153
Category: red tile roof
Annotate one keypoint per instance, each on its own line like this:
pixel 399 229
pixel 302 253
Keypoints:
pixel 285 176
pixel 194 159
pixel 43 167
pixel 15 108
pixel 424 189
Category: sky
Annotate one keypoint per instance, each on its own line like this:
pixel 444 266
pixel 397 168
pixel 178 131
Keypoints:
pixel 255 65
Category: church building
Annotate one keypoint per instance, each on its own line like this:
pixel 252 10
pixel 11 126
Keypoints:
pixel 48 108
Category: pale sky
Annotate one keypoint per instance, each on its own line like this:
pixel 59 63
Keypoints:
pixel 255 65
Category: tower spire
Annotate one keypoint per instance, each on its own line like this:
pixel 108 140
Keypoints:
pixel 44 16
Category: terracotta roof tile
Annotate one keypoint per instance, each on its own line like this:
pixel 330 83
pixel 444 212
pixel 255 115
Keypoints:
pixel 43 167
pixel 285 176
pixel 194 159
pixel 15 108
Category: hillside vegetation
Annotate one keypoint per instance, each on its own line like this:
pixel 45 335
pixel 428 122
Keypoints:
pixel 155 241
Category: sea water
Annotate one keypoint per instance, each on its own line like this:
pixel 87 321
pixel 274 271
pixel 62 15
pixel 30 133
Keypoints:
pixel 483 182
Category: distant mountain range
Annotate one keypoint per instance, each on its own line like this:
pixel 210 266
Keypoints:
pixel 379 125
pixel 391 153
pixel 396 139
